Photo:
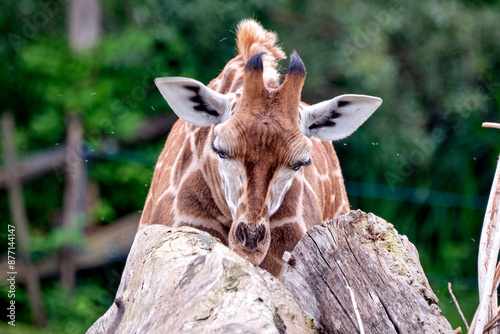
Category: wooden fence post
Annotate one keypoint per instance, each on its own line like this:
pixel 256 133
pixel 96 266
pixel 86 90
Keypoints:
pixel 74 199
pixel 84 24
pixel 84 29
pixel 18 214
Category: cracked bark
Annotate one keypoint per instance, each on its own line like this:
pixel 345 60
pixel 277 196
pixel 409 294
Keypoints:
pixel 185 281
pixel 366 253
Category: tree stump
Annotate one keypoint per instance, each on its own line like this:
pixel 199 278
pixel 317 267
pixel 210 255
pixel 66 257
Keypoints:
pixel 365 253
pixel 185 281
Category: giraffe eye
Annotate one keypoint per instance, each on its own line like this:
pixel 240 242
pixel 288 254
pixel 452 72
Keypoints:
pixel 300 164
pixel 220 153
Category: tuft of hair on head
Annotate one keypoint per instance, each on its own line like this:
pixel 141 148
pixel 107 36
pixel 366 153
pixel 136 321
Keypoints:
pixel 252 38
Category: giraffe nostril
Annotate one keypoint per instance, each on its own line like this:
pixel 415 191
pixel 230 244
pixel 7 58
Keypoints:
pixel 250 236
pixel 240 233
pixel 261 233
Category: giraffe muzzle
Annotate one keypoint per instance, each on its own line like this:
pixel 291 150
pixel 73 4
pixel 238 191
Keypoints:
pixel 249 235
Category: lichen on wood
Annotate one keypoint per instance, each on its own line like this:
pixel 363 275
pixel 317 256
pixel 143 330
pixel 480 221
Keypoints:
pixel 363 252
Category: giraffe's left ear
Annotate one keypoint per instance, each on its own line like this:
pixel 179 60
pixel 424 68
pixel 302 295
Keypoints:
pixel 338 118
pixel 193 101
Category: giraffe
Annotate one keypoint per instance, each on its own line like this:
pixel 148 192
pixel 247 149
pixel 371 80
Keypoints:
pixel 249 162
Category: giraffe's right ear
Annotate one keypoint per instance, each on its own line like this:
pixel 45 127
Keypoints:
pixel 194 102
pixel 337 118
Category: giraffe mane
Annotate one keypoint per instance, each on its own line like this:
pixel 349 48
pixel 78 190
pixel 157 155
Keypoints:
pixel 252 38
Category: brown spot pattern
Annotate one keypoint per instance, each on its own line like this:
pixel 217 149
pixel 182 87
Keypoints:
pixel 266 127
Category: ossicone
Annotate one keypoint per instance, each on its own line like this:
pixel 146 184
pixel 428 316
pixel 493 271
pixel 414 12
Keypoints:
pixel 294 80
pixel 255 62
pixel 296 67
pixel 253 86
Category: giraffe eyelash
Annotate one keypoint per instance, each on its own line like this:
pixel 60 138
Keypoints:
pixel 220 153
pixel 297 166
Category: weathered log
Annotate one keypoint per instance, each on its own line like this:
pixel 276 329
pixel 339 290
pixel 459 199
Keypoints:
pixel 185 281
pixel 488 269
pixel 364 253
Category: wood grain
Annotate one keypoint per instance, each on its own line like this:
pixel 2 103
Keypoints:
pixel 365 253
pixel 185 281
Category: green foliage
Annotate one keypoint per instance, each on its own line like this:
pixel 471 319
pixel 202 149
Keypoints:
pixel 44 244
pixel 66 313
pixel 75 314
pixel 422 162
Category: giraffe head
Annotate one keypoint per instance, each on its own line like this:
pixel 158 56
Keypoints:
pixel 261 140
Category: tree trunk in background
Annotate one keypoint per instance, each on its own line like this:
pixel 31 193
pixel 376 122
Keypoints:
pixel 19 219
pixel 186 281
pixel 74 199
pixel 84 25
pixel 84 29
